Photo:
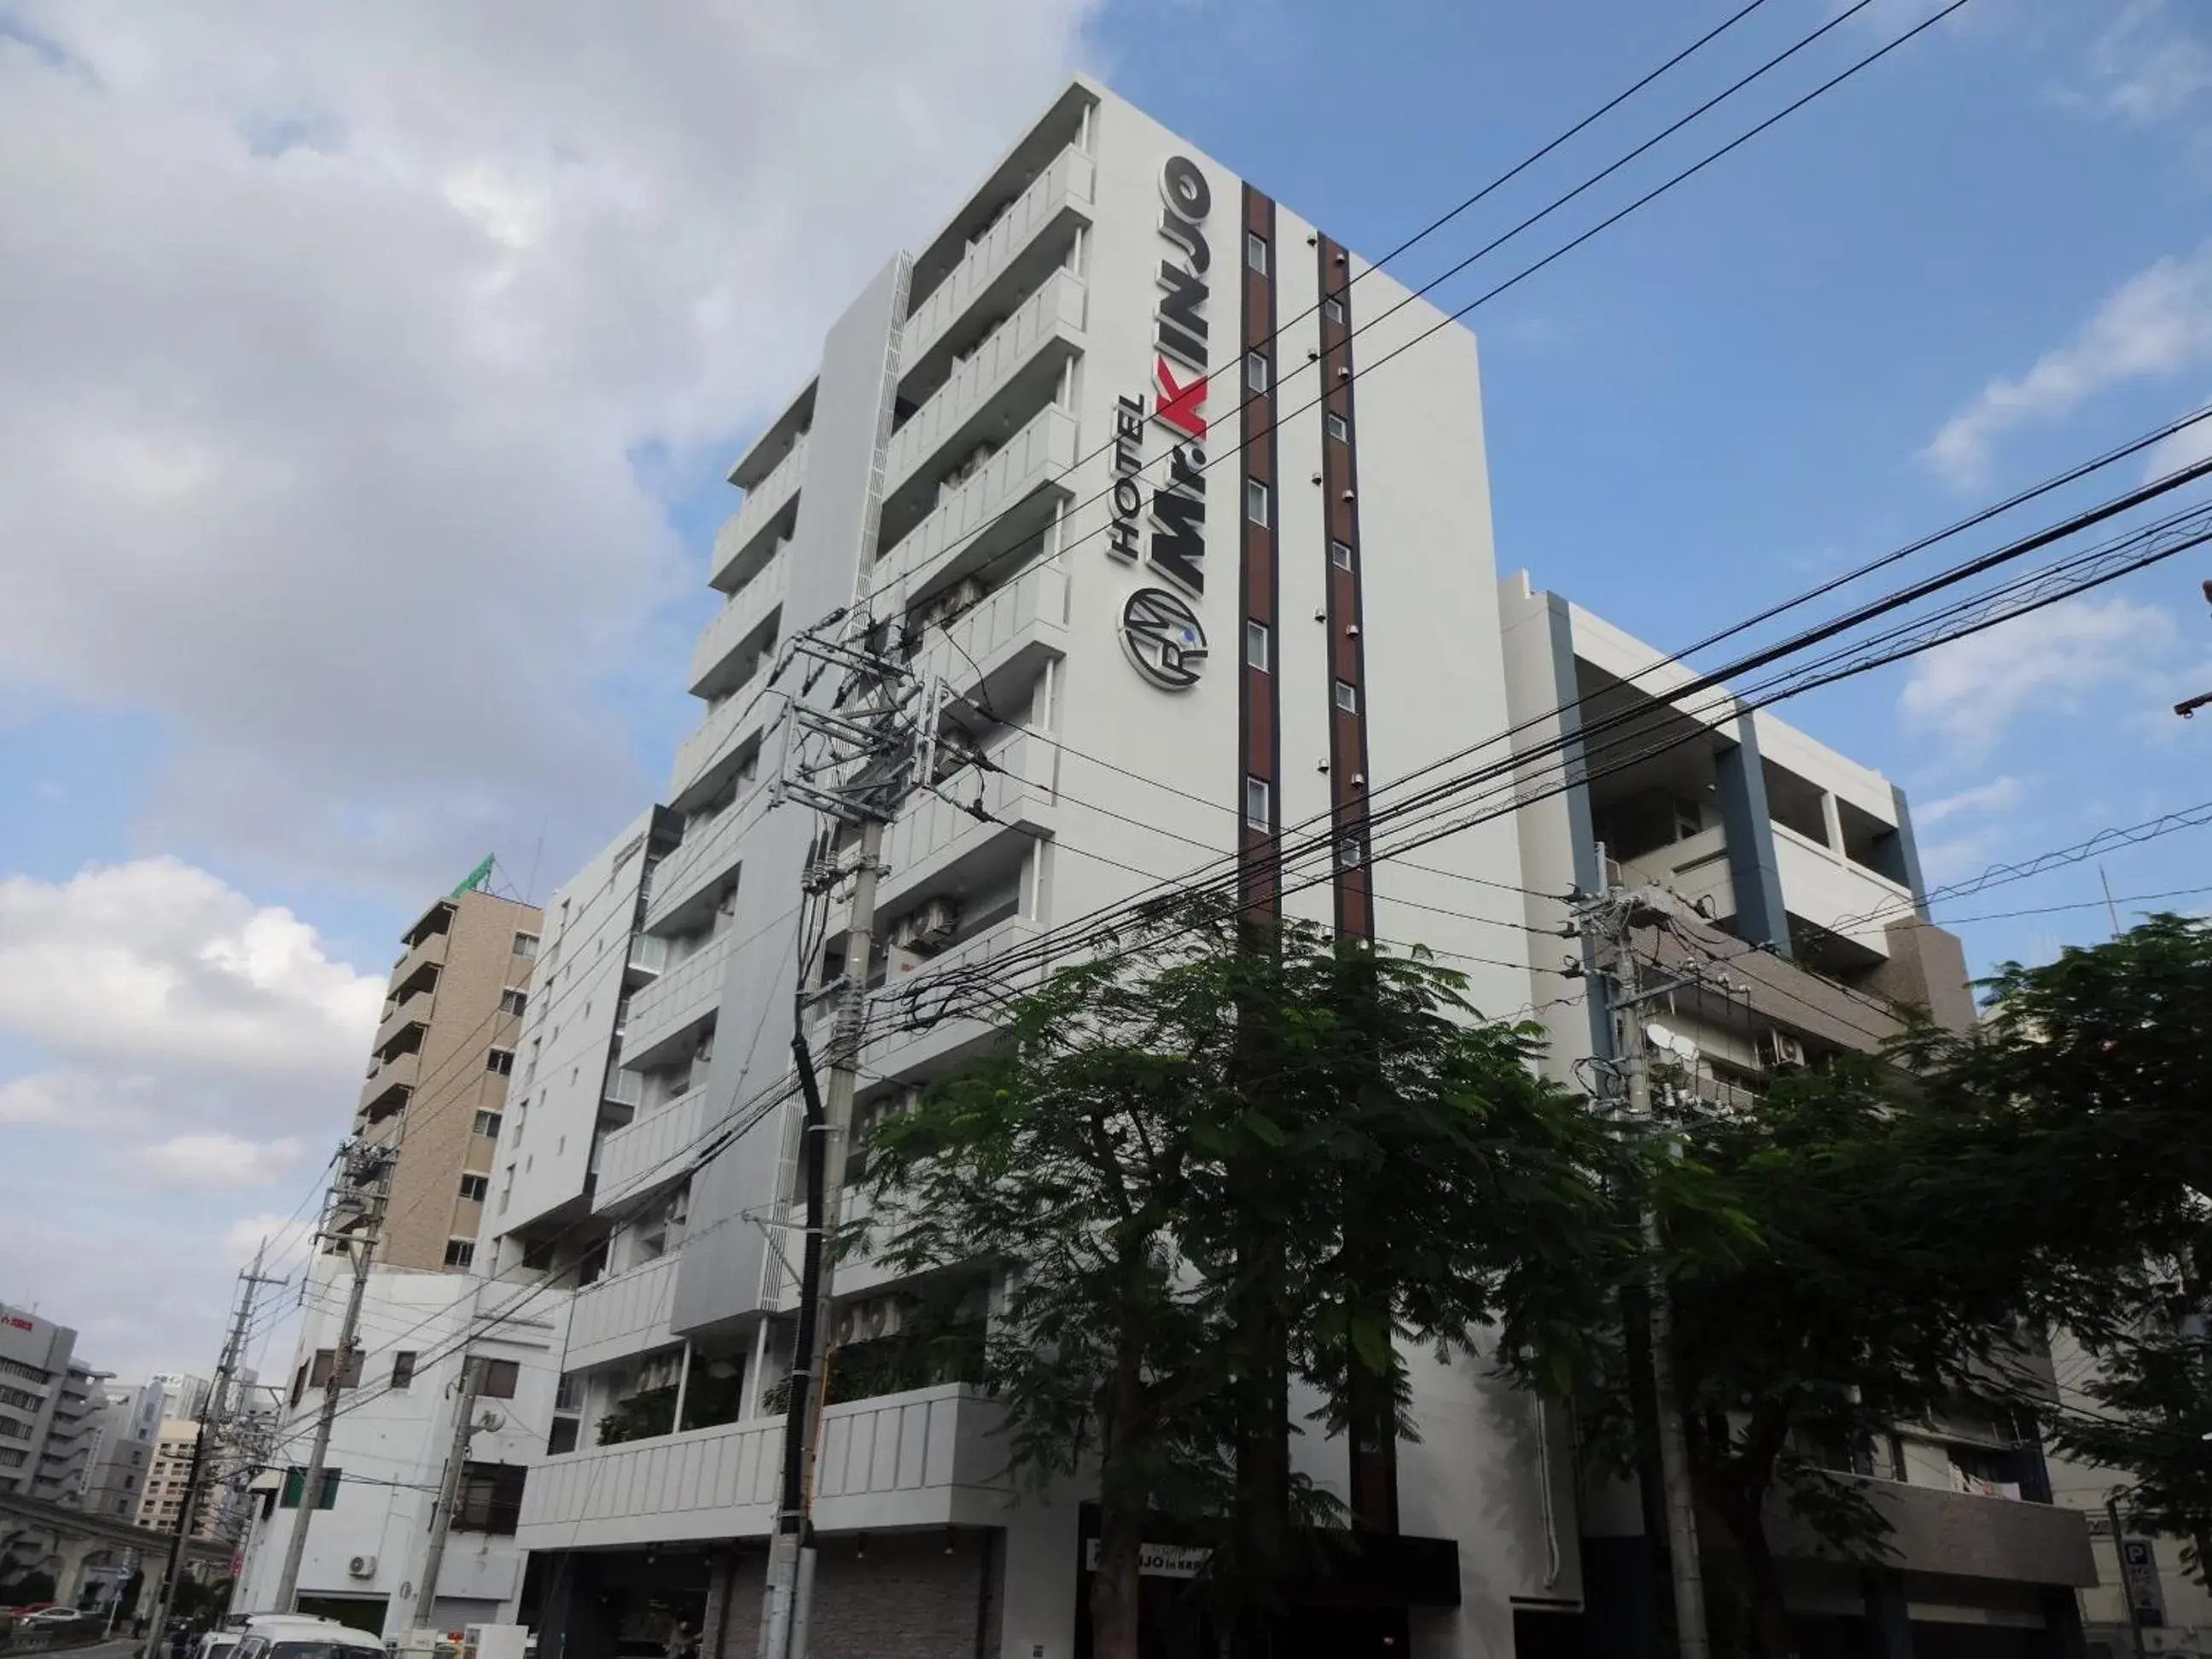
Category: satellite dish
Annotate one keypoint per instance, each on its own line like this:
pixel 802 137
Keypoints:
pixel 491 1422
pixel 1661 1036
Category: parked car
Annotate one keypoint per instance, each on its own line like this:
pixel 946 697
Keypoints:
pixel 54 1615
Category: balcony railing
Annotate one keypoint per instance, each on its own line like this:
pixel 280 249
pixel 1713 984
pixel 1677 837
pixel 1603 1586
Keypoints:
pixel 1054 309
pixel 929 1458
pixel 682 996
pixel 619 1316
pixel 761 504
pixel 1821 885
pixel 648 1151
pixel 746 609
pixel 974 518
pixel 648 955
pixel 1027 615
pixel 1061 191
pixel 1016 789
pixel 722 730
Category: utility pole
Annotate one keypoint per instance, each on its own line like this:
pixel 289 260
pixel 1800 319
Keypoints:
pixel 2187 708
pixel 351 1222
pixel 1615 916
pixel 449 1488
pixel 853 766
pixel 213 1417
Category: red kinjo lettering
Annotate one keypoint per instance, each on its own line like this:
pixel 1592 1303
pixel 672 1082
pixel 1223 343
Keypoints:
pixel 1179 405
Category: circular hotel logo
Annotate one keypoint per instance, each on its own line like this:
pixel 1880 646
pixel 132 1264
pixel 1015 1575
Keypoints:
pixel 1162 638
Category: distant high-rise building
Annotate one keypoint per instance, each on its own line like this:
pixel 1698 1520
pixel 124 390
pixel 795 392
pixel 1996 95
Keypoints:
pixel 50 1407
pixel 439 1068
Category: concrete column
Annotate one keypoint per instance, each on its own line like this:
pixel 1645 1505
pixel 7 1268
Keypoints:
pixel 731 1626
pixel 1574 765
pixel 1908 853
pixel 1740 782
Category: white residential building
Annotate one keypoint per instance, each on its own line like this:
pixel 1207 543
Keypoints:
pixel 1298 595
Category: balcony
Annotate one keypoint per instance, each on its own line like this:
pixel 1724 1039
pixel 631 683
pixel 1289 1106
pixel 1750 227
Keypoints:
pixel 934 834
pixel 745 711
pixel 427 956
pixel 649 1151
pixel 1016 369
pixel 622 1088
pixel 1696 868
pixel 739 545
pixel 928 1458
pixel 410 1011
pixel 1822 887
pixel 1962 1534
pixel 709 852
pixel 399 1076
pixel 976 521
pixel 1003 640
pixel 1031 233
pixel 929 999
pixel 717 658
pixel 680 1000
pixel 648 959
pixel 618 1317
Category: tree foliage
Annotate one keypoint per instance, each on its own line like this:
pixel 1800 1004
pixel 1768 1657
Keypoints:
pixel 1222 1159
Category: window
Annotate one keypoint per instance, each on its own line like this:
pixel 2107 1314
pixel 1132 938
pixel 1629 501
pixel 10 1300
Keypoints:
pixel 1333 308
pixel 403 1368
pixel 1347 699
pixel 1256 251
pixel 1255 500
pixel 475 1186
pixel 318 1374
pixel 1339 555
pixel 512 1002
pixel 526 946
pixel 1336 426
pixel 499 1376
pixel 295 1481
pixel 460 1252
pixel 501 1061
pixel 488 1125
pixel 489 1499
pixel 561 1437
pixel 1258 647
pixel 1258 802
pixel 1255 371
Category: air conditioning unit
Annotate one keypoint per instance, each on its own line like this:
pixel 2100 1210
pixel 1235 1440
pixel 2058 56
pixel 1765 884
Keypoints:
pixel 1781 1052
pixel 361 1566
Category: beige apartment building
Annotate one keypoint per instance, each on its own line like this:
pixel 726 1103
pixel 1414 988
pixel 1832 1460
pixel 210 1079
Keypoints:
pixel 166 1479
pixel 438 1072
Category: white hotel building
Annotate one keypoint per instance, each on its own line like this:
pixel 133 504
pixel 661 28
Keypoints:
pixel 954 462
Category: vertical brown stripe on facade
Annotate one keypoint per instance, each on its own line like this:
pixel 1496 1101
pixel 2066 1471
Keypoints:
pixel 1372 1431
pixel 1259 747
pixel 1347 746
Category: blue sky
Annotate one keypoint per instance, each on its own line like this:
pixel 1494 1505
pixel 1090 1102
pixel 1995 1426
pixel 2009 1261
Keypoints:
pixel 364 399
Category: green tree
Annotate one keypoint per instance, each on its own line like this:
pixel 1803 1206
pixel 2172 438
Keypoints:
pixel 1872 1284
pixel 2093 1071
pixel 1224 1157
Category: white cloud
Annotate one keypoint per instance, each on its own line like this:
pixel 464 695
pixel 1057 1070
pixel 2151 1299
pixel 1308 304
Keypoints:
pixel 336 359
pixel 2157 323
pixel 2146 64
pixel 1995 796
pixel 285 1237
pixel 158 961
pixel 75 1100
pixel 1968 691
pixel 1957 856
pixel 216 1160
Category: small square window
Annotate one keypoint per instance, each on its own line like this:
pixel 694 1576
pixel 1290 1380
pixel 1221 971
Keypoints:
pixel 488 1125
pixel 499 1376
pixel 474 1187
pixel 403 1368
pixel 1339 429
pixel 1255 371
pixel 1255 500
pixel 1258 804
pixel 526 946
pixel 500 1060
pixel 460 1252
pixel 1258 651
pixel 1333 308
pixel 1349 852
pixel 512 1002
pixel 1256 251
pixel 1339 555
pixel 1347 696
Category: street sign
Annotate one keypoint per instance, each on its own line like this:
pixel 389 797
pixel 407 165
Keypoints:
pixel 2139 1572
